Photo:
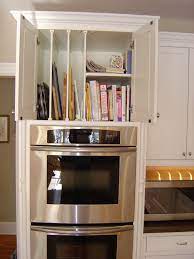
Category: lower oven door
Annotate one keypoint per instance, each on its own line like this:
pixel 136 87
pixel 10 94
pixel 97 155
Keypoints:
pixel 82 242
pixel 82 185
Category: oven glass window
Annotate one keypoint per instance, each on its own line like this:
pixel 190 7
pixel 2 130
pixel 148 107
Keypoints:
pixel 82 179
pixel 81 247
pixel 169 200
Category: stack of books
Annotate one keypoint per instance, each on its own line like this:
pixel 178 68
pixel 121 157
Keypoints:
pixel 107 102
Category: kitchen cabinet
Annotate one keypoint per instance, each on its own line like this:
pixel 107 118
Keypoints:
pixel 172 137
pixel 169 245
pixel 67 39
pixel 190 134
pixel 170 257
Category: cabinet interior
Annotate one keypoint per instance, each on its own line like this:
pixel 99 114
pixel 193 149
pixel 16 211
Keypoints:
pixel 70 50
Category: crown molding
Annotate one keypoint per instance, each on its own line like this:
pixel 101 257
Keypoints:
pixel 176 39
pixel 85 20
pixel 7 69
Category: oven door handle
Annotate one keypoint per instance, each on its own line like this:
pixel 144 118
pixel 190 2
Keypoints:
pixel 82 231
pixel 84 149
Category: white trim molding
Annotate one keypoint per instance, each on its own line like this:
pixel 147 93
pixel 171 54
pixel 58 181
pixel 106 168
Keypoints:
pixel 8 228
pixel 176 39
pixel 85 20
pixel 7 69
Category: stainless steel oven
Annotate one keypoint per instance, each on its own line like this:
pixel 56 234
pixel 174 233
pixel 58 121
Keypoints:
pixel 169 194
pixel 83 175
pixel 91 242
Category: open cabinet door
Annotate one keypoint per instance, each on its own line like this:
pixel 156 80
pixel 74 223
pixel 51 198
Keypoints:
pixel 145 73
pixel 26 55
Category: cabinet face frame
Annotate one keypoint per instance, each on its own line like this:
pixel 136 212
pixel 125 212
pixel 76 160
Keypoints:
pixel 103 22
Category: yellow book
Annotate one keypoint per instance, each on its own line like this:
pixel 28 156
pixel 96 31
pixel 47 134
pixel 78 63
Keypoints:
pixel 56 112
pixel 88 103
pixel 71 97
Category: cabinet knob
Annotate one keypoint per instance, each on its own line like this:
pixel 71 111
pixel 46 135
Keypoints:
pixel 184 154
pixel 190 154
pixel 158 115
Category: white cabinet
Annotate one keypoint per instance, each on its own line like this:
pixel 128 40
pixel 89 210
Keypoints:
pixel 170 257
pixel 169 245
pixel 172 137
pixel 190 136
pixel 25 91
pixel 68 39
pixel 167 138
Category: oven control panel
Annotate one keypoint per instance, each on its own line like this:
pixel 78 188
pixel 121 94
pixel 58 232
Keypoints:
pixel 83 136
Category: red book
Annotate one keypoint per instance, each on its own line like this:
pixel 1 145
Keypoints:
pixel 104 102
pixel 119 105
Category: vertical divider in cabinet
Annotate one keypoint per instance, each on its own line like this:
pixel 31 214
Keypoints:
pixel 50 76
pixel 84 78
pixel 68 73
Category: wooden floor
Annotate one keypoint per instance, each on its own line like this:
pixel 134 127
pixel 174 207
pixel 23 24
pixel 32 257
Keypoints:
pixel 7 246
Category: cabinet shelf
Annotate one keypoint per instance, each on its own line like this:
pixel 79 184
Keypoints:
pixel 104 75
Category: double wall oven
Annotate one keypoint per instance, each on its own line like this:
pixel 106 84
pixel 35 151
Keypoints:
pixel 82 184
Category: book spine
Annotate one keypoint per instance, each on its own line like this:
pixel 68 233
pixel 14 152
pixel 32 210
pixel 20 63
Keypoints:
pixel 114 92
pixel 94 100
pixel 123 94
pixel 110 104
pixel 130 104
pixel 88 103
pixel 119 104
pixel 104 103
pixel 127 103
pixel 56 112
pixel 98 100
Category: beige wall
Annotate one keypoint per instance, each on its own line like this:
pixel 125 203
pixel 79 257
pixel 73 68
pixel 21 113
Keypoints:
pixel 8 25
pixel 177 25
pixel 7 155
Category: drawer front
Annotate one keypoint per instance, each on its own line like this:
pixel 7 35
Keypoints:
pixel 170 257
pixel 170 243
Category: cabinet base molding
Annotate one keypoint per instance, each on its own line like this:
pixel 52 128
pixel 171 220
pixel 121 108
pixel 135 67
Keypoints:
pixel 8 228
pixel 7 69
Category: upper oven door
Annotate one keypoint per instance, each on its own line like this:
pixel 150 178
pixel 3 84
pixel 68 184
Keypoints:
pixel 82 185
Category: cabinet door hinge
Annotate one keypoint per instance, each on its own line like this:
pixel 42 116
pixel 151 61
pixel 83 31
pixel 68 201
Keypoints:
pixel 132 45
pixel 38 41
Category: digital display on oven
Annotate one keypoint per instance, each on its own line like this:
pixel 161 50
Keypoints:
pixel 83 136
